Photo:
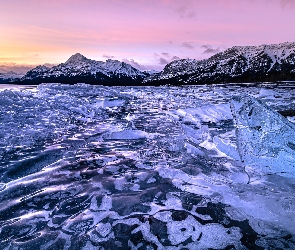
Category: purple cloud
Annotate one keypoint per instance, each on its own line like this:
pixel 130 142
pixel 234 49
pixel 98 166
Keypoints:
pixel 287 3
pixel 184 10
pixel 166 54
pixel 17 68
pixel 187 45
pixel 165 58
pixel 163 61
pixel 175 58
pixel 107 56
pixel 209 50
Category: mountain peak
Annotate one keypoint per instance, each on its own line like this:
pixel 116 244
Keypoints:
pixel 76 58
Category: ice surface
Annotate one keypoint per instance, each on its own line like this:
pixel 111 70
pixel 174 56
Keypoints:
pixel 93 167
pixel 265 139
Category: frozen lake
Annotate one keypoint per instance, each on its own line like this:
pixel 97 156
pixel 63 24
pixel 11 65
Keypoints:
pixel 200 167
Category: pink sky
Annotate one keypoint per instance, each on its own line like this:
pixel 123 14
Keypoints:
pixel 147 32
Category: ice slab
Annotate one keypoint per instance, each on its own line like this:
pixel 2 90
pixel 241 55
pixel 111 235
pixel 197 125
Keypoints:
pixel 226 147
pixel 265 139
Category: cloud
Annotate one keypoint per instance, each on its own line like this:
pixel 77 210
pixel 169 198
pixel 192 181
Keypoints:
pixel 163 54
pixel 165 58
pixel 287 3
pixel 209 50
pixel 163 61
pixel 3 70
pixel 187 45
pixel 49 65
pixel 166 54
pixel 107 56
pixel 175 58
pixel 134 64
pixel 185 9
pixel 21 68
pixel 17 68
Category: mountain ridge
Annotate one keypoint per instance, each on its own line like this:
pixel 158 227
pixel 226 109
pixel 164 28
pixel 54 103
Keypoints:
pixel 263 63
pixel 272 62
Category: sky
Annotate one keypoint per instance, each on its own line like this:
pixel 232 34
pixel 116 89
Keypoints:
pixel 148 34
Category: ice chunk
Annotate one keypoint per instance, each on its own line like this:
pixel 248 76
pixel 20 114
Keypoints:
pixel 196 135
pixel 265 139
pixel 267 93
pixel 205 113
pixel 226 148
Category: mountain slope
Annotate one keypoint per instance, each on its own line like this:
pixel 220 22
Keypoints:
pixel 78 68
pixel 238 64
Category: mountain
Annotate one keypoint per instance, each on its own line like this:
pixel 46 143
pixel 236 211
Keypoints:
pixel 264 63
pixel 10 76
pixel 78 68
pixel 275 62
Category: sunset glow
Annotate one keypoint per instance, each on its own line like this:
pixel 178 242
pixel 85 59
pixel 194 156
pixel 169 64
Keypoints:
pixel 148 32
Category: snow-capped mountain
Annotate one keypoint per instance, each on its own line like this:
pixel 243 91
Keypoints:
pixel 9 76
pixel 78 68
pixel 274 62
